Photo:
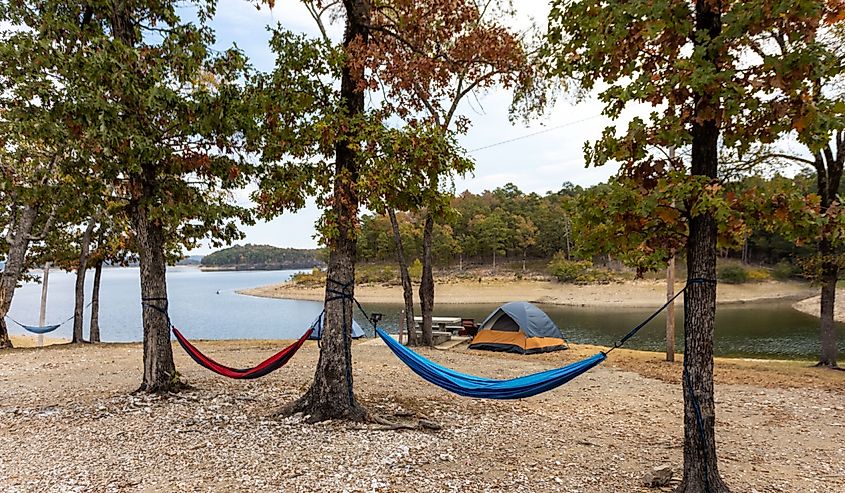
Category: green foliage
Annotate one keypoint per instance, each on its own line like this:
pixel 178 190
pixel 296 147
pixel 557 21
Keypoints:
pixel 370 273
pixel 786 270
pixel 576 271
pixel 565 270
pixel 415 269
pixel 733 274
pixel 636 226
pixel 262 257
pixel 758 274
pixel 317 277
pixel 151 117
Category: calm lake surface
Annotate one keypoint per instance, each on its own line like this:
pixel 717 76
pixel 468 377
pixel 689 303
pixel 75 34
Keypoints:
pixel 205 306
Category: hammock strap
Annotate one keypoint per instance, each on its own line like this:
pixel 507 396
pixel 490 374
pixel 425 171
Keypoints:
pixel 151 302
pixel 344 294
pixel 638 327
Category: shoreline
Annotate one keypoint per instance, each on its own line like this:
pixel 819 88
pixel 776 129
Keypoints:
pixel 628 294
pixel 811 306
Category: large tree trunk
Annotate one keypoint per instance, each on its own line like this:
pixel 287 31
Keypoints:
pixel 829 276
pixel 79 291
pixel 331 396
pixel 407 288
pixel 94 327
pixel 701 471
pixel 20 234
pixel 829 163
pixel 159 370
pixel 427 283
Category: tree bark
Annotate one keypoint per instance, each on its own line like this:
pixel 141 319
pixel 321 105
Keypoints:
pixel 701 471
pixel 331 395
pixel 79 291
pixel 94 327
pixel 407 288
pixel 828 163
pixel 427 283
pixel 670 310
pixel 159 370
pixel 829 276
pixel 18 238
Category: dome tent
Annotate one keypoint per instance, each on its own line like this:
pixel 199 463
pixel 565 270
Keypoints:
pixel 518 327
pixel 317 325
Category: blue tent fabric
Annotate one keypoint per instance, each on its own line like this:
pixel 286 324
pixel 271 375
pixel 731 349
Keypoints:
pixel 487 388
pixel 531 320
pixel 317 325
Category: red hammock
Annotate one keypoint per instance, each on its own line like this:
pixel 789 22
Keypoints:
pixel 269 365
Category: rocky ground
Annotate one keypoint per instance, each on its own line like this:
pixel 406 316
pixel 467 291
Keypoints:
pixel 68 422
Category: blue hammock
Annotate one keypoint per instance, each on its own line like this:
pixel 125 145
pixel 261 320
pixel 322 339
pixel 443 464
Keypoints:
pixel 43 329
pixel 488 388
pixel 39 329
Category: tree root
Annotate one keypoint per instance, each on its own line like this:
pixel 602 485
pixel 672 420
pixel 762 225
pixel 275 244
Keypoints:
pixel 316 412
pixel 380 423
pixel 829 366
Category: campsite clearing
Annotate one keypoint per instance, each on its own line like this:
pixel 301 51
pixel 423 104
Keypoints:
pixel 599 433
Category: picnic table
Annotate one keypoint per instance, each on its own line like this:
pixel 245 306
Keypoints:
pixel 445 324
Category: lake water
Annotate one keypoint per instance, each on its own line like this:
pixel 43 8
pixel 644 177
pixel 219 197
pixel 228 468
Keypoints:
pixel 205 306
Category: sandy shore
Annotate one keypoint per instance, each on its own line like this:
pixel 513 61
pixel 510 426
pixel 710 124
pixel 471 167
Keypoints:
pixel 69 422
pixel 32 341
pixel 812 306
pixel 627 294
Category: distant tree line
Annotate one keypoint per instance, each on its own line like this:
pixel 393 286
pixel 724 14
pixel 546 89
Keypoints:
pixel 507 224
pixel 262 257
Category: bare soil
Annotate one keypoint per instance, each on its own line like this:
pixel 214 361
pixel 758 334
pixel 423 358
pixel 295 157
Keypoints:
pixel 69 422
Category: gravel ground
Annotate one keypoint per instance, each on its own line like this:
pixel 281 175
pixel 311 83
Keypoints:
pixel 68 422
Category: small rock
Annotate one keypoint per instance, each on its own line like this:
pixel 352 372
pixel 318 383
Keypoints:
pixel 658 476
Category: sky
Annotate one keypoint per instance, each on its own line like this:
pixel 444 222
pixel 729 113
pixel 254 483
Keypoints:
pixel 536 163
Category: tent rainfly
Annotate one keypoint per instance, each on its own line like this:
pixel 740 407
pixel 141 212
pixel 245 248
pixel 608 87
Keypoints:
pixel 317 325
pixel 518 327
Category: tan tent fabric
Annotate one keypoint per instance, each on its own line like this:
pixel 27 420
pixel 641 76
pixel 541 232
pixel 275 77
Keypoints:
pixel 518 327
pixel 518 339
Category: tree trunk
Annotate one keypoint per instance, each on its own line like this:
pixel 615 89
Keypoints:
pixel 829 163
pixel 701 471
pixel 79 292
pixel 407 288
pixel 19 237
pixel 159 370
pixel 94 328
pixel 42 312
pixel 427 283
pixel 670 310
pixel 331 395
pixel 830 274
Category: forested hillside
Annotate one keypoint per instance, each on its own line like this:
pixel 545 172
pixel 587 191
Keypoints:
pixel 510 225
pixel 261 257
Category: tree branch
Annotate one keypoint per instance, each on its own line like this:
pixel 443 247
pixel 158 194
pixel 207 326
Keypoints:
pixel 47 225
